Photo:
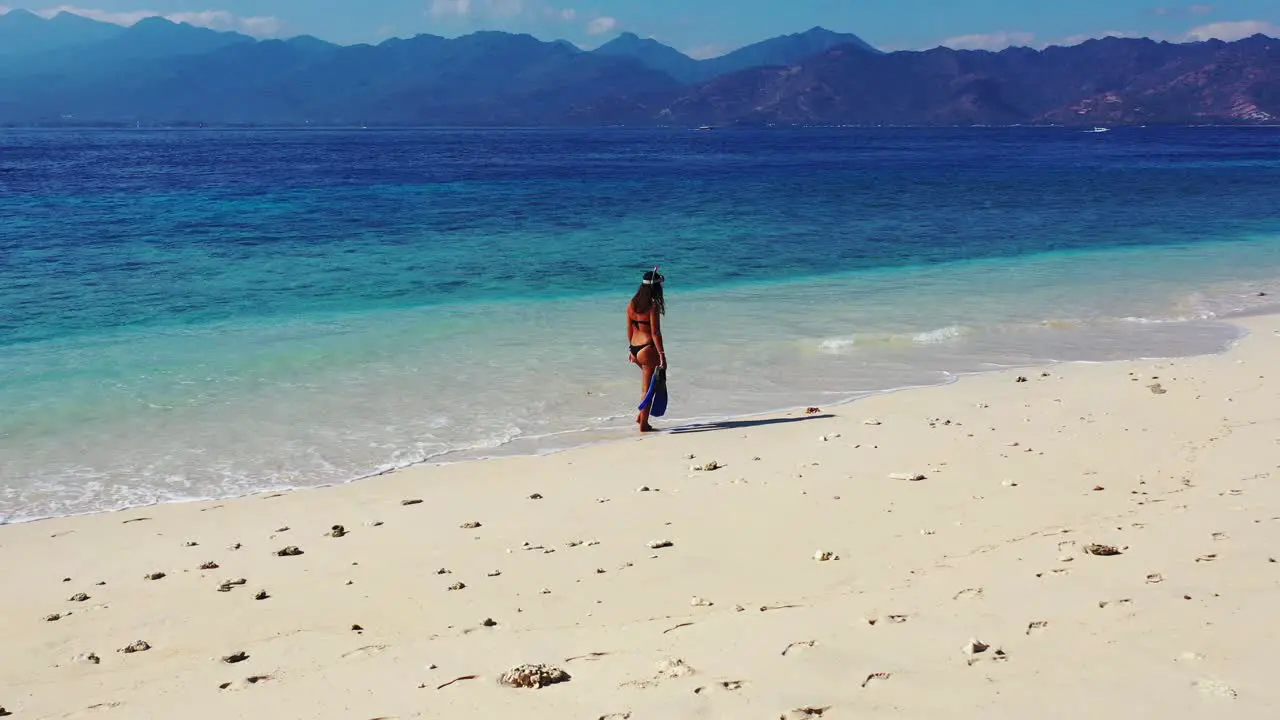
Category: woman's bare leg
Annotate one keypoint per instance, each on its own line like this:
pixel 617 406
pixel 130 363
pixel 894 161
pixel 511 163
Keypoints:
pixel 643 418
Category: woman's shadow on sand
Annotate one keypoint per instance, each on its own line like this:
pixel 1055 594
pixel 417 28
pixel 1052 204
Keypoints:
pixel 741 424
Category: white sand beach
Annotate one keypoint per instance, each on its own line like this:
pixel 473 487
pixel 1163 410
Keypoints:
pixel 957 522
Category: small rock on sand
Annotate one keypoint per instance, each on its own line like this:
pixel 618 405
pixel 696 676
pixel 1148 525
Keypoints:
pixel 236 657
pixel 707 467
pixel 78 597
pixel 872 422
pixel 457 586
pixel 908 477
pixel 489 622
pixel 136 647
pixel 470 525
pixel 825 556
pixel 291 551
pixel 1101 550
pixel 700 602
pixel 336 531
pixel 659 544
pixel 974 647
pixel 54 617
pixel 209 566
pixel 407 503
pixel 88 658
pixel 533 676
pixel 674 668
pixel 261 595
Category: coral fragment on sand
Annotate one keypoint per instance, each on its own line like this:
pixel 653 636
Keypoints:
pixel 533 677
pixel 1101 550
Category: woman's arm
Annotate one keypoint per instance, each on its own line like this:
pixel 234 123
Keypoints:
pixel 630 358
pixel 655 327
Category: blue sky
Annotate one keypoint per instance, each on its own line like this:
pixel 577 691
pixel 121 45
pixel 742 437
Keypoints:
pixel 708 27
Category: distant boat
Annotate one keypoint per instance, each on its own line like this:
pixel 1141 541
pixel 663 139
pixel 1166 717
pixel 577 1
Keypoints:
pixel 1099 130
pixel 706 127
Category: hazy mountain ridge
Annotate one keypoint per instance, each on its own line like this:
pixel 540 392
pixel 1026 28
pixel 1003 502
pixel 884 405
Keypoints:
pixel 74 70
pixel 783 50
pixel 1113 81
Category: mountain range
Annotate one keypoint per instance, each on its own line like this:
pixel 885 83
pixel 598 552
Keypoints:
pixel 782 50
pixel 71 70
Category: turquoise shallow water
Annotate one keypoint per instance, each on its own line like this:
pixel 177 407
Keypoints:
pixel 202 314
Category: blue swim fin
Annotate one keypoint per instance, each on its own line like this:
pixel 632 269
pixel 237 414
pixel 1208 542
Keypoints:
pixel 659 406
pixel 653 391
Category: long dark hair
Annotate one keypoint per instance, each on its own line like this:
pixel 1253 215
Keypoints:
pixel 649 296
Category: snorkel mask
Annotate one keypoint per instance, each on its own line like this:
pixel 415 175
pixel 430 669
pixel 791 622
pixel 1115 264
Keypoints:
pixel 655 278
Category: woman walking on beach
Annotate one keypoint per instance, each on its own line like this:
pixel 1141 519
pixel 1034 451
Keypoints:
pixel 644 335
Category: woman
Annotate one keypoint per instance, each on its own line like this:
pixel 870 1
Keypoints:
pixel 644 335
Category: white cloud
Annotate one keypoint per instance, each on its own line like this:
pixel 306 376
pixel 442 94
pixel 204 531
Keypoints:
pixel 504 8
pixel 989 41
pixel 704 52
pixel 602 25
pixel 258 26
pixel 1229 31
pixel 1077 39
pixel 445 8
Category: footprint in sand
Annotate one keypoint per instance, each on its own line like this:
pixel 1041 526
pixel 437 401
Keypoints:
pixel 793 647
pixel 876 677
pixel 1037 626
pixel 364 652
pixel 242 684
pixel 727 685
pixel 803 713
pixel 1215 689
pixel 94 710
pixel 968 594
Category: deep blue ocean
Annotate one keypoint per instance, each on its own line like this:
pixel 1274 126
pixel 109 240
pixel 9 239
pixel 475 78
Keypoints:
pixel 190 314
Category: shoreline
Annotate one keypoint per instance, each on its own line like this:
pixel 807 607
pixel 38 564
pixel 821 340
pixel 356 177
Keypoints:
pixel 686 426
pixel 948 552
